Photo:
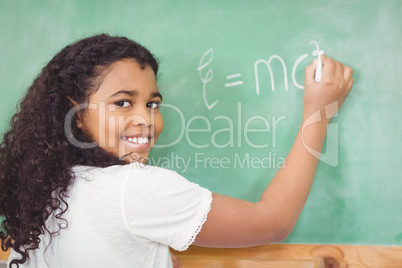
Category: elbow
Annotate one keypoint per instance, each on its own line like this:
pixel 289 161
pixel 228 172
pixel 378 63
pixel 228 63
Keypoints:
pixel 271 237
pixel 283 230
pixel 282 236
pixel 278 234
pixel 276 224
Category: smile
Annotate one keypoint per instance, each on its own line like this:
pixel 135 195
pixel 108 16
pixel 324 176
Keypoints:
pixel 139 140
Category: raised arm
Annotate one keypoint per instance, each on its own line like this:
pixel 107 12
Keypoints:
pixel 237 223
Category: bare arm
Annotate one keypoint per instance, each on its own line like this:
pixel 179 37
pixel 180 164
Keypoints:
pixel 237 223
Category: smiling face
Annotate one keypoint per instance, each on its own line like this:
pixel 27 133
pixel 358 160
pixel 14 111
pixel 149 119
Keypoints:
pixel 124 112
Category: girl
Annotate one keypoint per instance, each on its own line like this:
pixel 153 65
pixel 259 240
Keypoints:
pixel 74 189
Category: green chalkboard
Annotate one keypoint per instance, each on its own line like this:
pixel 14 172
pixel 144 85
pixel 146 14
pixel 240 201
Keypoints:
pixel 234 70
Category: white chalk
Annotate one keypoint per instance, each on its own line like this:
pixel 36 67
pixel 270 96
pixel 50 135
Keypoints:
pixel 318 71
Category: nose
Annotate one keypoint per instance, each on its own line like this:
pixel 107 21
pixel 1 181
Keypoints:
pixel 141 117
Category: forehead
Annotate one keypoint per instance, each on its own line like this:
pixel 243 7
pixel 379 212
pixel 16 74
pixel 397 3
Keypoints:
pixel 128 74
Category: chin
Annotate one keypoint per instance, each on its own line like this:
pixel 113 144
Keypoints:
pixel 132 157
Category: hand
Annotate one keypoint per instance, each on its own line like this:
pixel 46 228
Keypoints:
pixel 333 88
pixel 175 261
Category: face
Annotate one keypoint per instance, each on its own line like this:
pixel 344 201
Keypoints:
pixel 123 116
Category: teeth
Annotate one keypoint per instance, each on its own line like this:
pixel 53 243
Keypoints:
pixel 140 140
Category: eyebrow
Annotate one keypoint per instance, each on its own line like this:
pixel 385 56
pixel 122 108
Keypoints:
pixel 133 93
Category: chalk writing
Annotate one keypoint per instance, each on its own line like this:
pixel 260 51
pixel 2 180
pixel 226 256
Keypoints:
pixel 268 64
pixel 206 77
pixel 302 57
pixel 205 61
pixel 232 84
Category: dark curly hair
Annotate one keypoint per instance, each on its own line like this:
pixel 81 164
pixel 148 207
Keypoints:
pixel 36 156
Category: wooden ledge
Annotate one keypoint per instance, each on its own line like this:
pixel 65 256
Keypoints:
pixel 288 255
pixel 293 255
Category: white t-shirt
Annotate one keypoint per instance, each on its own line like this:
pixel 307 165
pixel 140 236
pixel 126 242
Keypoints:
pixel 123 216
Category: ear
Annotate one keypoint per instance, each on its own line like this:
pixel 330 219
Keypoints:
pixel 73 103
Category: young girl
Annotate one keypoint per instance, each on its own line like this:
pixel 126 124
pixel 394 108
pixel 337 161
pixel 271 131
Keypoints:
pixel 74 189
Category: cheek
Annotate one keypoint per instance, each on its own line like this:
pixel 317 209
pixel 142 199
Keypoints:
pixel 158 126
pixel 104 130
pixel 113 130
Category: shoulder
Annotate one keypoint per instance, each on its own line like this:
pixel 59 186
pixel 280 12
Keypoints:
pixel 134 172
pixel 156 177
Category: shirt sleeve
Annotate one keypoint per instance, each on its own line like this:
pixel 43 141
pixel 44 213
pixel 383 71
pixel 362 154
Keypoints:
pixel 162 206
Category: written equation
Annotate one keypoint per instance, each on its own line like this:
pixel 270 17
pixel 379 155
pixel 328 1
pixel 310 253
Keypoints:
pixel 206 74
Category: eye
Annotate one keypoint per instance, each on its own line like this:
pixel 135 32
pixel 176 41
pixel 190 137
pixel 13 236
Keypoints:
pixel 153 105
pixel 123 103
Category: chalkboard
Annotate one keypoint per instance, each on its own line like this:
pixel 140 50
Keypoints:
pixel 234 70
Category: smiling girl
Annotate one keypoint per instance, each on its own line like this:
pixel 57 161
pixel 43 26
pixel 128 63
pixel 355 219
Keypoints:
pixel 74 189
pixel 130 98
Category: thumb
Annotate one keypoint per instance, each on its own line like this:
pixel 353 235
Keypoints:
pixel 309 72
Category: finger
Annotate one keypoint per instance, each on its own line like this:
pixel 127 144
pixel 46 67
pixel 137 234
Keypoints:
pixel 309 72
pixel 348 73
pixel 328 68
pixel 350 84
pixel 339 70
